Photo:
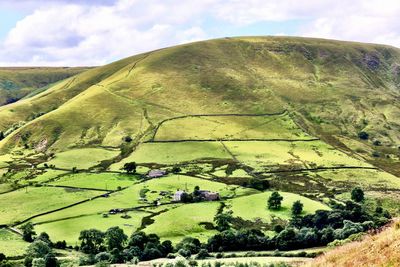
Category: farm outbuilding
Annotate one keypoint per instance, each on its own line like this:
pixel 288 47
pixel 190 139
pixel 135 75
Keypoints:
pixel 156 173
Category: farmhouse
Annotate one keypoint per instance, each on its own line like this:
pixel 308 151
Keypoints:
pixel 207 195
pixel 156 173
pixel 178 195
pixel 211 196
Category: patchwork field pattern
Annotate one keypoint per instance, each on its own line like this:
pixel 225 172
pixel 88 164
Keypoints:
pixel 223 154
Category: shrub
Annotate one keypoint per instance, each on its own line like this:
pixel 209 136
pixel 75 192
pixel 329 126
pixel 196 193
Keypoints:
pixel 184 253
pixel 357 194
pixel 363 135
pixel 203 253
pixel 103 256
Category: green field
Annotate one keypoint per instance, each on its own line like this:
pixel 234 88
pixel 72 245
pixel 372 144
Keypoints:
pixel 230 127
pixel 11 244
pixel 23 203
pixel 172 153
pixel 367 179
pixel 81 158
pixel 264 156
pixel 69 229
pixel 47 175
pixel 106 181
pixel 176 223
pixel 259 210
pixel 130 197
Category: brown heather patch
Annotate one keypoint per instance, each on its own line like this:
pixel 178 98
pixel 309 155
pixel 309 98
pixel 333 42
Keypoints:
pixel 380 249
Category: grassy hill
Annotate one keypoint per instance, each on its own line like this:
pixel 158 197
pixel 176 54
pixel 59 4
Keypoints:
pixel 333 90
pixel 309 118
pixel 19 82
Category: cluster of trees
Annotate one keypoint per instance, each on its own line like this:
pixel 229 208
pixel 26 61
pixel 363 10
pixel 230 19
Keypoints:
pixel 318 229
pixel 40 252
pixel 275 202
pixel 113 246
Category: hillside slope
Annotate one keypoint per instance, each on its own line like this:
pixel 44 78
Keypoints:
pixel 333 89
pixel 17 83
pixel 381 249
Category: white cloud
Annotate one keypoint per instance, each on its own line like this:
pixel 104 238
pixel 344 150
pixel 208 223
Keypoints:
pixel 72 34
pixel 62 32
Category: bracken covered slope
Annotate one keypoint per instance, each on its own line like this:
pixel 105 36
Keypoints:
pixel 332 89
pixel 379 250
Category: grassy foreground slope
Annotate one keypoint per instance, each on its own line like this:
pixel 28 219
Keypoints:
pixel 381 249
pixel 17 83
pixel 330 88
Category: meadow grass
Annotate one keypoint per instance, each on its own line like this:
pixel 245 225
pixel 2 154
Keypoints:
pixel 296 155
pixel 230 127
pixel 182 221
pixel 83 158
pixel 106 181
pixel 11 244
pixel 258 203
pixel 69 229
pixel 5 187
pixel 47 175
pixel 364 178
pixel 172 153
pixel 22 203
pixel 130 197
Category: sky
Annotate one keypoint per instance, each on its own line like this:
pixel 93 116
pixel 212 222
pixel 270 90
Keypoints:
pixel 96 32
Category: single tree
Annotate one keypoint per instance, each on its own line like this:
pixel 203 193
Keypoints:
pixel 115 238
pixel 91 241
pixel 223 220
pixel 297 208
pixel 275 201
pixel 130 167
pixel 28 232
pixel 357 194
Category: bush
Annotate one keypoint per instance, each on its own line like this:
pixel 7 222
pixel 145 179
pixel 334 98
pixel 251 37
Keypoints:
pixel 171 256
pixel 203 253
pixel 363 135
pixel 38 262
pixel 357 194
pixel 184 253
pixel 103 256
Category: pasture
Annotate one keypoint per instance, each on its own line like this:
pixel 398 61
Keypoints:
pixel 25 202
pixel 264 156
pixel 69 229
pixel 11 244
pixel 105 181
pixel 83 158
pixel 185 220
pixel 173 153
pixel 230 127
pixel 258 202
